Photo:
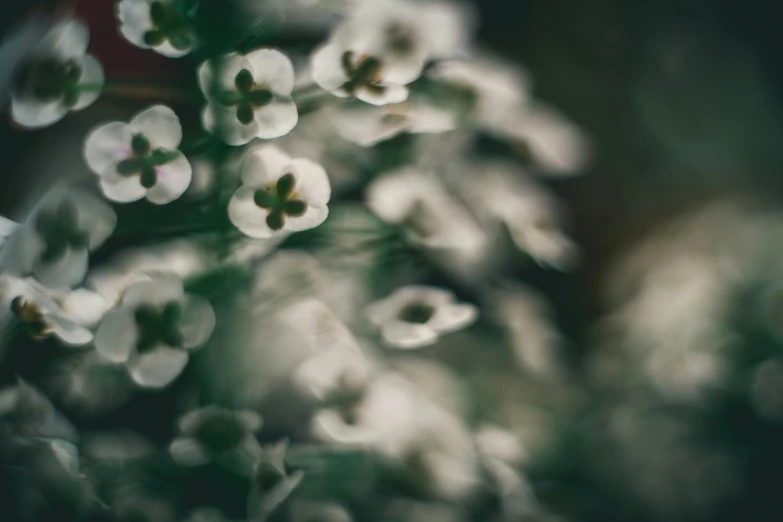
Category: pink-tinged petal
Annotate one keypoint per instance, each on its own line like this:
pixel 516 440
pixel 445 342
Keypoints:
pixel 107 145
pixel 173 180
pixel 120 188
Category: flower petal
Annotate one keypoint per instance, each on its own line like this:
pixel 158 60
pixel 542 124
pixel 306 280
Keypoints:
pixel 68 332
pixel 326 65
pixel 197 322
pixel 91 82
pixel 312 182
pixel 407 335
pixel 313 217
pixel 219 73
pixel 272 69
pixel 173 180
pixel 135 20
pixel 117 335
pixel 107 145
pixel 65 272
pixel 160 125
pixel 156 291
pixel 34 114
pixel 391 93
pixel 223 123
pixel 120 188
pixel 453 317
pixel 188 452
pixel 95 217
pixel 83 306
pixel 264 165
pixel 157 368
pixel 276 119
pixel 68 39
pixel 247 216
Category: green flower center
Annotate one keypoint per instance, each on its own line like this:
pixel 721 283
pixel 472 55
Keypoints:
pixel 281 201
pixel 221 432
pixel 366 72
pixel 169 23
pixel 247 98
pixel 59 228
pixel 417 313
pixel 158 325
pixel 50 79
pixel 143 161
pixel 30 318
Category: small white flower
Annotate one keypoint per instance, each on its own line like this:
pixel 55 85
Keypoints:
pixel 415 316
pixel 41 312
pixel 279 194
pixel 140 159
pixel 56 76
pixel 161 25
pixel 152 330
pixel 215 433
pixel 55 241
pixel 368 126
pixel 249 96
pixel 376 53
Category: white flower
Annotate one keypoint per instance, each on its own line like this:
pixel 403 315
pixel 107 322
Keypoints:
pixel 161 25
pixel 56 76
pixel 415 316
pixel 370 125
pixel 153 329
pixel 215 433
pixel 55 241
pixel 140 159
pixel 248 96
pixel 41 312
pixel 279 194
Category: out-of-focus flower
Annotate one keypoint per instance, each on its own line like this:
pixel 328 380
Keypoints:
pixel 368 126
pixel 272 482
pixel 416 316
pixel 26 415
pixel 161 25
pixel 215 433
pixel 7 227
pixel 279 194
pixel 55 76
pixel 140 159
pixel 87 383
pixel 153 329
pixel 55 241
pixel 248 96
pixel 41 312
pixel 382 48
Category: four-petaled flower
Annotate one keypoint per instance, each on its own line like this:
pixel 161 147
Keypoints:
pixel 55 241
pixel 415 316
pixel 279 194
pixel 249 96
pixel 55 76
pixel 161 25
pixel 154 328
pixel 140 158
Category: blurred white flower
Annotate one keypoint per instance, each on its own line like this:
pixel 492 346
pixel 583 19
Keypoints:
pixel 498 443
pixel 272 483
pixel 368 125
pixel 416 316
pixel 384 46
pixel 279 194
pixel 248 96
pixel 55 241
pixel 55 76
pixel 140 159
pixel 160 25
pixel 215 433
pixel 42 312
pixel 152 330
pixel 26 415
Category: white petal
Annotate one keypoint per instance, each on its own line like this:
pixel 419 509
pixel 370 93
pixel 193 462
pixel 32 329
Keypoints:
pixel 276 119
pixel 160 125
pixel 369 125
pixel 166 49
pixel 220 73
pixel 264 165
pixel 272 69
pixel 188 452
pixel 327 70
pixel 392 93
pixel 173 180
pixel 247 216
pixel 157 368
pixel 67 455
pixel 120 188
pixel 33 114
pixel 107 145
pixel 69 332
pixel 67 271
pixel 155 291
pixel 197 322
pixel 312 182
pixel 69 38
pixel 135 20
pixel 407 335
pixel 117 335
pixel 453 317
pixel 95 217
pixel 83 306
pixel 312 217
pixel 405 69
pixel 91 82
pixel 223 123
